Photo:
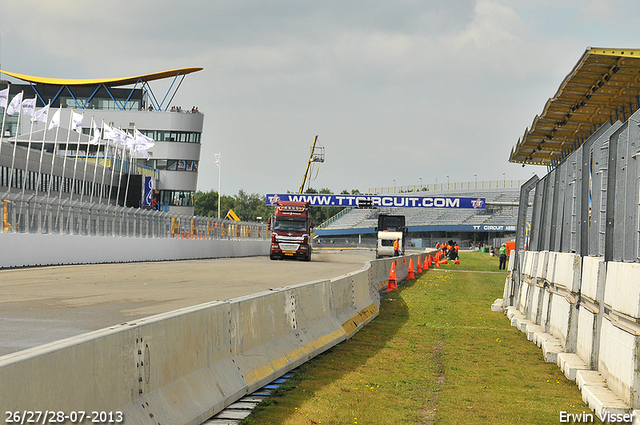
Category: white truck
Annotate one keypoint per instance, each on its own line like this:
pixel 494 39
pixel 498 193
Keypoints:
pixel 390 228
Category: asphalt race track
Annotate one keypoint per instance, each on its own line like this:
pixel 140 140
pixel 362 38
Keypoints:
pixel 46 304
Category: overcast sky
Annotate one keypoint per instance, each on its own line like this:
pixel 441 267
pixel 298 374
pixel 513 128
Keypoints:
pixel 398 90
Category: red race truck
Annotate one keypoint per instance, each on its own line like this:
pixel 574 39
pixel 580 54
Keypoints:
pixel 291 231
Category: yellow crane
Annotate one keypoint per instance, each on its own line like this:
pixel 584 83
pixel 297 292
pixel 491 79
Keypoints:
pixel 317 155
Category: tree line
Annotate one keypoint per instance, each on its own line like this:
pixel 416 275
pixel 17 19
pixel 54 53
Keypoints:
pixel 249 207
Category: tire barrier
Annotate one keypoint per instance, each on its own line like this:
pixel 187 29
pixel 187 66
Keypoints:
pixel 184 366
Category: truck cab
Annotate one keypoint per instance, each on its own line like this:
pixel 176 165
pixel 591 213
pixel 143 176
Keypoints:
pixel 390 228
pixel 291 231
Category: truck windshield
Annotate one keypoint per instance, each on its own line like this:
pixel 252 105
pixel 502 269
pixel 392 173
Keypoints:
pixel 290 225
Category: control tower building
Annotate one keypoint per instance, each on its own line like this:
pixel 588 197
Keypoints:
pixel 41 160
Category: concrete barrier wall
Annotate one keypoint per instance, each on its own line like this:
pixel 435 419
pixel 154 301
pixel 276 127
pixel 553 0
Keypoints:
pixel 26 249
pixel 184 366
pixel 589 312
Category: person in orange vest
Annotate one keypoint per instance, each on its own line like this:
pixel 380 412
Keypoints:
pixel 396 247
pixel 437 245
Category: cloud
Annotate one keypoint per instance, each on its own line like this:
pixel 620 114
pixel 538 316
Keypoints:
pixel 396 90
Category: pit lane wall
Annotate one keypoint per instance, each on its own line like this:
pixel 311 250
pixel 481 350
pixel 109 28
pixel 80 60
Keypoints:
pixel 30 249
pixel 184 366
pixel 584 314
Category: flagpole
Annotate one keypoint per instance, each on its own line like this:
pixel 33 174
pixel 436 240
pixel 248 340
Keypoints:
pixel 75 162
pixel 4 114
pixel 124 152
pixel 86 158
pixel 53 158
pixel 64 167
pixel 26 169
pixel 126 189
pixel 113 169
pixel 95 164
pixel 44 137
pixel 15 143
pixel 104 167
pixel 219 174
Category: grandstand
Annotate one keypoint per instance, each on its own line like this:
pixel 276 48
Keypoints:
pixel 427 225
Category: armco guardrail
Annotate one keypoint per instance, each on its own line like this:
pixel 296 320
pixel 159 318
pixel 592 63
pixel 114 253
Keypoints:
pixel 184 366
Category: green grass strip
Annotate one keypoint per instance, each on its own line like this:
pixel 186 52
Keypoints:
pixel 436 354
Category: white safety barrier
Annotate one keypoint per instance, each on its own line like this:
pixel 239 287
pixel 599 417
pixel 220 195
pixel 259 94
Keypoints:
pixel 585 313
pixel 184 366
pixel 29 249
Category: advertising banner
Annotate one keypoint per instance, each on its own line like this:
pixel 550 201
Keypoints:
pixel 148 191
pixel 380 201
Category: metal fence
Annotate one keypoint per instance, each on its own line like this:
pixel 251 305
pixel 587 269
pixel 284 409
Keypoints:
pixel 69 217
pixel 589 202
pixel 468 185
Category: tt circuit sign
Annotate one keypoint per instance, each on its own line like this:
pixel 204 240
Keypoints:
pixel 380 201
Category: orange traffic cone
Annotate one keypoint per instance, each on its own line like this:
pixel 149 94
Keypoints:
pixel 392 281
pixel 411 273
pixel 445 261
pixel 419 266
pixel 437 262
pixel 426 265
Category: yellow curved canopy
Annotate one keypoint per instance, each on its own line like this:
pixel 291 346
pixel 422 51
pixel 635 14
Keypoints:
pixel 603 86
pixel 110 82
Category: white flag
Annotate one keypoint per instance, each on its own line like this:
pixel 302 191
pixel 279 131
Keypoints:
pixel 217 156
pixel 55 120
pixel 41 114
pixel 96 134
pixel 14 106
pixel 144 141
pixel 29 106
pixel 109 132
pixel 76 121
pixel 4 97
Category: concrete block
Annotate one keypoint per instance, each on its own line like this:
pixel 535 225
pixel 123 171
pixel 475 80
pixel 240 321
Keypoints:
pixel 618 361
pixel 563 321
pixel 589 377
pixel 585 341
pixel 570 363
pixel 532 329
pixel 522 325
pixel 535 304
pixel 530 259
pixel 550 261
pixel 567 271
pixel 523 296
pixel 541 266
pixel 540 337
pixel 511 311
pixel 593 274
pixel 622 291
pixel 550 349
pixel 602 401
pixel 516 318
pixel 498 305
pixel 547 297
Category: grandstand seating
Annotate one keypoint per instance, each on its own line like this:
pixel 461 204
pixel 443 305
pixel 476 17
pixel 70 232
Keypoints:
pixel 500 210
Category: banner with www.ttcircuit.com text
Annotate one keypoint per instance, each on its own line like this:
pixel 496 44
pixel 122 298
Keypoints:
pixel 380 201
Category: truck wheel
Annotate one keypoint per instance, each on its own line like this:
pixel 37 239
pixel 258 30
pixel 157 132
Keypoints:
pixel 273 257
pixel 308 257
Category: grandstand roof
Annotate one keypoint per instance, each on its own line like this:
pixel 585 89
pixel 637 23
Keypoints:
pixel 603 86
pixel 109 82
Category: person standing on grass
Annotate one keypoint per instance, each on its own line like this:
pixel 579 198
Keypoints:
pixel 503 257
